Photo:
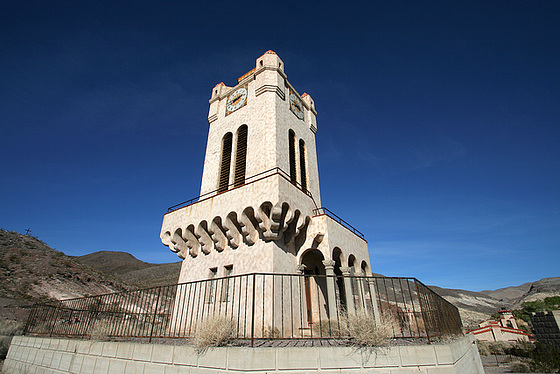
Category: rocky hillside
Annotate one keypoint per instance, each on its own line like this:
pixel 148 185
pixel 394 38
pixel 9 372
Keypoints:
pixel 531 291
pixel 31 271
pixel 478 306
pixel 131 270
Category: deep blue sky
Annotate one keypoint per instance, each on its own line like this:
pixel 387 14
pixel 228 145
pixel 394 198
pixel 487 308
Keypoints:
pixel 439 123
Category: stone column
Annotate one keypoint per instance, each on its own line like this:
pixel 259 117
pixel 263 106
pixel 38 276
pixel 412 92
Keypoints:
pixel 373 293
pixel 301 291
pixel 331 295
pixel 348 288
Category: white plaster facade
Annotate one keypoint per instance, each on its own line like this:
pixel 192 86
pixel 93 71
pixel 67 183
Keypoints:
pixel 269 222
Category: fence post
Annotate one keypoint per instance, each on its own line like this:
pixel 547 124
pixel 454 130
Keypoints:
pixel 253 312
pixel 155 314
pixel 30 318
pixel 422 311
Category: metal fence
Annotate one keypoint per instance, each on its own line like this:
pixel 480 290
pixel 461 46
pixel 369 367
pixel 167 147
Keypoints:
pixel 260 306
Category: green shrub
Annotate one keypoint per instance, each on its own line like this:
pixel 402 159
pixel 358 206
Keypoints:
pixel 545 359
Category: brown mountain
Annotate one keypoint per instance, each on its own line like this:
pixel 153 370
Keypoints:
pixel 31 271
pixel 113 262
pixel 131 270
pixel 527 292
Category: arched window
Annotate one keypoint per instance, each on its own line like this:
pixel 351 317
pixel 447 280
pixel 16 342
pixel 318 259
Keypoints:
pixel 240 157
pixel 302 163
pixel 226 162
pixel 292 145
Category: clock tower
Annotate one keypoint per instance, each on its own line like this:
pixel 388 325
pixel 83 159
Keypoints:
pixel 259 209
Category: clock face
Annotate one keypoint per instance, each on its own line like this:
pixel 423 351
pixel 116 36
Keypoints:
pixel 296 106
pixel 236 100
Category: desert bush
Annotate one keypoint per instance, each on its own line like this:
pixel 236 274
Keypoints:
pixel 272 333
pixel 100 330
pixel 519 367
pixel 545 359
pixel 7 330
pixel 4 346
pixel 498 348
pixel 367 333
pixel 360 327
pixel 11 328
pixel 330 328
pixel 213 332
pixel 483 348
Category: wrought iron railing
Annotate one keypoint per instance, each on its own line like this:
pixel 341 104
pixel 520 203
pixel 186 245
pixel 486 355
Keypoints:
pixel 252 179
pixel 324 211
pixel 261 306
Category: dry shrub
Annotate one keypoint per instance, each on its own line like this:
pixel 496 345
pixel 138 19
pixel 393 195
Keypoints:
pixel 360 327
pixel 330 328
pixel 7 330
pixel 11 328
pixel 99 331
pixel 520 367
pixel 272 333
pixel 5 342
pixel 499 348
pixel 213 332
pixel 367 333
pixel 483 348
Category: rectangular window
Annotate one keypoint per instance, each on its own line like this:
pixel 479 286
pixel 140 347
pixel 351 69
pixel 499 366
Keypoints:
pixel 228 283
pixel 211 286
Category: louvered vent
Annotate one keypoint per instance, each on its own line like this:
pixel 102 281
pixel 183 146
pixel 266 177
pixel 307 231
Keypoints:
pixel 226 162
pixel 292 142
pixel 302 164
pixel 240 156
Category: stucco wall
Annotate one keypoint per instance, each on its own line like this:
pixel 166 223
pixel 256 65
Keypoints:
pixel 48 355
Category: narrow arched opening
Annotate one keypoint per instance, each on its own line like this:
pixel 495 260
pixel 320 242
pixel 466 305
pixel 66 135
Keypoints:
pixel 292 152
pixel 303 164
pixel 225 163
pixel 240 157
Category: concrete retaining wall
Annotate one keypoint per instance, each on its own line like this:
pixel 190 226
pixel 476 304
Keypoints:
pixel 32 355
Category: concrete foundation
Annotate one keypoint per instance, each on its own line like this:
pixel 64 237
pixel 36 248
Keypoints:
pixel 32 355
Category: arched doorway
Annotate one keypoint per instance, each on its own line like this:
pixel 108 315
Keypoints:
pixel 315 286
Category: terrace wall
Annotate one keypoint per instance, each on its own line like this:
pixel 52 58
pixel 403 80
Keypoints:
pixel 36 355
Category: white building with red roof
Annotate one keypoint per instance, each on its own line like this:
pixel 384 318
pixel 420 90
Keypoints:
pixel 504 330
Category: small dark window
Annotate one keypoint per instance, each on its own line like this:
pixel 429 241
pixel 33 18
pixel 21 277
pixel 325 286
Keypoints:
pixel 227 283
pixel 226 162
pixel 211 286
pixel 292 146
pixel 240 157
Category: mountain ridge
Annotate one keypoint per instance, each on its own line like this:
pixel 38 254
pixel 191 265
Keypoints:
pixel 30 271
